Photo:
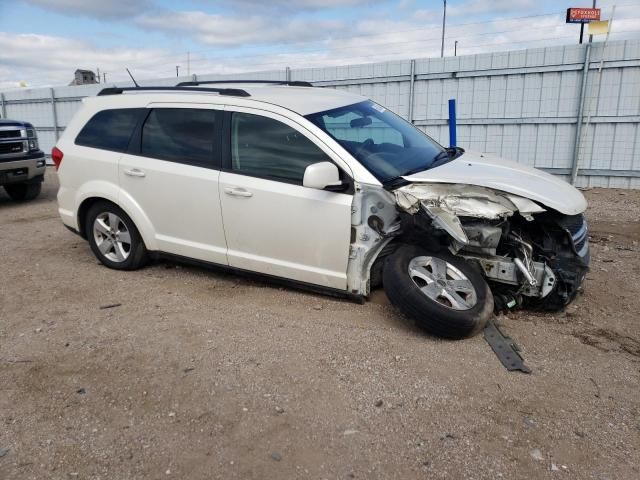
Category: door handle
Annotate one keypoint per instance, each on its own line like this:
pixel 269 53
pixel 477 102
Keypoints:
pixel 238 192
pixel 134 172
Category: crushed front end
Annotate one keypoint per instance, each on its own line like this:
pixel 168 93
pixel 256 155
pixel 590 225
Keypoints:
pixel 530 256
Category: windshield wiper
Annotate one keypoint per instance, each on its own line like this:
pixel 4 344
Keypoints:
pixel 415 170
pixel 398 181
pixel 446 155
pixel 392 181
pixel 443 155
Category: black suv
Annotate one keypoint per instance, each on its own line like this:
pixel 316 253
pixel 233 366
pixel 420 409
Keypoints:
pixel 22 163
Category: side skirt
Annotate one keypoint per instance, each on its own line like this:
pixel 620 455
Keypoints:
pixel 295 284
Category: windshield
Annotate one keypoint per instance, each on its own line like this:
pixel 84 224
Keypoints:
pixel 387 145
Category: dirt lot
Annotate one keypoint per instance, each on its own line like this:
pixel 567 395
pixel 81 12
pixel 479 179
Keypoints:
pixel 202 374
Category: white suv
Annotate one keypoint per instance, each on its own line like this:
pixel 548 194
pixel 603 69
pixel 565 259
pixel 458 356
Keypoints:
pixel 324 188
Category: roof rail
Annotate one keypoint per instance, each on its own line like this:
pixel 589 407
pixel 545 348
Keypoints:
pixel 289 83
pixel 234 92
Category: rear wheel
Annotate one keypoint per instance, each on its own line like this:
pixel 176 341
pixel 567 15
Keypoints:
pixel 113 237
pixel 442 293
pixel 23 192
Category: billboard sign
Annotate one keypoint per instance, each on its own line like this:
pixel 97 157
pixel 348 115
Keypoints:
pixel 583 15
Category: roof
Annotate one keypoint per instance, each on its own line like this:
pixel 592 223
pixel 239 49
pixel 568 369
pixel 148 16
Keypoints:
pixel 302 100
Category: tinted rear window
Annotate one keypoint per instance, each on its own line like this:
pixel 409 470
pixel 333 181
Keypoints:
pixel 180 135
pixel 110 129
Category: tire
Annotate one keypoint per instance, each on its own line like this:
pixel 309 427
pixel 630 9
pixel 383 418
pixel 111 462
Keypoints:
pixel 114 238
pixel 23 192
pixel 453 313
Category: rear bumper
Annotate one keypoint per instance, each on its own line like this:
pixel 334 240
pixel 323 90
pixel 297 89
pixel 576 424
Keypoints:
pixel 24 170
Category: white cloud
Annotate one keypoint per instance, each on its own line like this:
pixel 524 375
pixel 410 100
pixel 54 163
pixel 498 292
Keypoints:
pixel 49 60
pixel 481 7
pixel 474 8
pixel 106 9
pixel 123 9
pixel 297 5
pixel 214 29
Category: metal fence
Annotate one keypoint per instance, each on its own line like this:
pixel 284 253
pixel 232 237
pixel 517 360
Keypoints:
pixel 522 104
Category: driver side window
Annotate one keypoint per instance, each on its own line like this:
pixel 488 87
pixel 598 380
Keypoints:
pixel 264 147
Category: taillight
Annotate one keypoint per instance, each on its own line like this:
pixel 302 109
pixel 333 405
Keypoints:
pixel 56 156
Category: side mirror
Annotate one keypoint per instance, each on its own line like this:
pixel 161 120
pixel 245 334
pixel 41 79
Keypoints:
pixel 321 175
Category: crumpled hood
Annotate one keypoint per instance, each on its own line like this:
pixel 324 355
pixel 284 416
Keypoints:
pixel 493 172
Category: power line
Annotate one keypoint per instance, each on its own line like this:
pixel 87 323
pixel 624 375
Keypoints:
pixel 207 59
pixel 381 44
pixel 388 56
pixel 352 37
pixel 403 52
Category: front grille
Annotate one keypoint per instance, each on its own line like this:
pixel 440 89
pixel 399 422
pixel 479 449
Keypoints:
pixel 10 134
pixel 576 227
pixel 11 147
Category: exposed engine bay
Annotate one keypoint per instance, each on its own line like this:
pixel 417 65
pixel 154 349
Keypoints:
pixel 529 255
pixel 526 252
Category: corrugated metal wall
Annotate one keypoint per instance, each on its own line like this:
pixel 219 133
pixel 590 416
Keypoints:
pixel 522 105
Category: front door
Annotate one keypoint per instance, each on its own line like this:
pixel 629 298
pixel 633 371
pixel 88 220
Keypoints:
pixel 272 223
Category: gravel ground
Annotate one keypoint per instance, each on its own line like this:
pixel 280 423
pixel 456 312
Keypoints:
pixel 203 374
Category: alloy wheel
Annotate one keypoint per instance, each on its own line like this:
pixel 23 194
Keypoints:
pixel 112 237
pixel 442 282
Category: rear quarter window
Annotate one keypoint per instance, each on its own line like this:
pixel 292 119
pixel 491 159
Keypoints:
pixel 110 129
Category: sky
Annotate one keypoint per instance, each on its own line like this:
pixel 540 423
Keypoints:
pixel 42 42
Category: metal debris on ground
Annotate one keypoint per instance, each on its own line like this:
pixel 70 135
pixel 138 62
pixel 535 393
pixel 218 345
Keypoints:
pixel 111 305
pixel 505 348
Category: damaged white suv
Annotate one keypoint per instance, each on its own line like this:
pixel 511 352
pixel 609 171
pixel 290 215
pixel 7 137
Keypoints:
pixel 321 187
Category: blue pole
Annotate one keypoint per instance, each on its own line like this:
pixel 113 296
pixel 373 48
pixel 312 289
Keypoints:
pixel 452 122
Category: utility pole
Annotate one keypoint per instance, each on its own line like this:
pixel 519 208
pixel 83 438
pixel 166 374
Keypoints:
pixel 590 36
pixel 177 70
pixel 104 77
pixel 98 69
pixel 444 19
pixel 455 48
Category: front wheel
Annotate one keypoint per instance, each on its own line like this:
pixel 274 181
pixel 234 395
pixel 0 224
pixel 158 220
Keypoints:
pixel 442 293
pixel 23 192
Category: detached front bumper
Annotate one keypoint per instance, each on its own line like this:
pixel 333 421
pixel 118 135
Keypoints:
pixel 572 266
pixel 26 169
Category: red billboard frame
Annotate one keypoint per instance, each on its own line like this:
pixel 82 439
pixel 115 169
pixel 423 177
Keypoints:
pixel 582 15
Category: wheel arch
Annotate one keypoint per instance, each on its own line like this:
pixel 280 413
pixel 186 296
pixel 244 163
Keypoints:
pixel 134 212
pixel 375 265
pixel 428 313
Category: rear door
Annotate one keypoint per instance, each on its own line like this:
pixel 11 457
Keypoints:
pixel 273 224
pixel 171 171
